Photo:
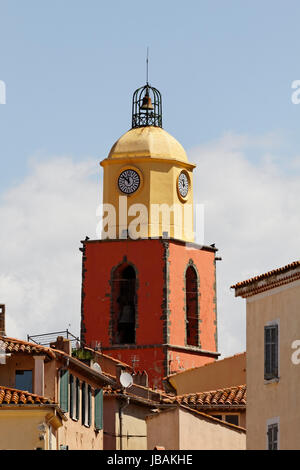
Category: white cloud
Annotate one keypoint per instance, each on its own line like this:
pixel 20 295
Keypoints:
pixel 43 220
pixel 251 213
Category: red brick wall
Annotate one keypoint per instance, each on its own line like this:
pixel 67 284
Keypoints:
pixel 203 261
pixel 160 297
pixel 101 257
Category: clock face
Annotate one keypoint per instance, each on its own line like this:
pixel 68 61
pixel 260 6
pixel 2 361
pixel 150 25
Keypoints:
pixel 183 184
pixel 129 181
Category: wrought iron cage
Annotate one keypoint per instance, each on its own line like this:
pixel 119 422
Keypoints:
pixel 146 107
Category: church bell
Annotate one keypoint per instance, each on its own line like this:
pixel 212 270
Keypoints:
pixel 147 103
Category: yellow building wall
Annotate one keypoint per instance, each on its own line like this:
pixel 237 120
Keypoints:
pixel 159 186
pixel 218 374
pixel 73 433
pixel 202 434
pixel 163 430
pixel 278 399
pixel 179 429
pixel 19 429
pixel 80 437
pixel 134 429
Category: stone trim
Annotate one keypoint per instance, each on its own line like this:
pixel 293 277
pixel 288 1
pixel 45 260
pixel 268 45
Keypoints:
pixel 83 271
pixel 112 313
pixel 189 349
pixel 215 306
pixel 193 265
pixel 169 240
pixel 166 301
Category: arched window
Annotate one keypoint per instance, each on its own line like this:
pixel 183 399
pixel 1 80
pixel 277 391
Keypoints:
pixel 124 300
pixel 192 316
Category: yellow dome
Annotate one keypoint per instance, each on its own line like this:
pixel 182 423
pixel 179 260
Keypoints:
pixel 148 141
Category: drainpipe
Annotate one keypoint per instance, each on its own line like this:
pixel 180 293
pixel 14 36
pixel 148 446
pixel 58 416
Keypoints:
pixel 121 408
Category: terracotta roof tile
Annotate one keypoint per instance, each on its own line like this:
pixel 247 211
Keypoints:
pixel 281 270
pixel 13 345
pixel 226 397
pixel 11 396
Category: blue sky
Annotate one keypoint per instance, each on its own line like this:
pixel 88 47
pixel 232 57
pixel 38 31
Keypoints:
pixel 71 67
pixel 225 70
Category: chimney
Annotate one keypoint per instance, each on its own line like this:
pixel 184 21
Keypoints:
pixel 119 369
pixel 62 344
pixel 2 320
pixel 141 378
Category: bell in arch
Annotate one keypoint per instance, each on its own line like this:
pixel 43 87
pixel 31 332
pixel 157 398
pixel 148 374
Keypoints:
pixel 146 103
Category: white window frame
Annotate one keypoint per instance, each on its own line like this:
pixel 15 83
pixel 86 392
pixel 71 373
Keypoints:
pixel 271 422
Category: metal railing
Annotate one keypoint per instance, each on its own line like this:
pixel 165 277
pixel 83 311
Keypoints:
pixel 47 338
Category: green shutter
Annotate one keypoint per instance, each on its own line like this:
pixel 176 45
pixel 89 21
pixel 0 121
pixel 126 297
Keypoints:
pixel 64 390
pixel 71 396
pixel 99 409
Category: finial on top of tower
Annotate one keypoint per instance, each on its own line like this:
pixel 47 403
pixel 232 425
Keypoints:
pixel 146 104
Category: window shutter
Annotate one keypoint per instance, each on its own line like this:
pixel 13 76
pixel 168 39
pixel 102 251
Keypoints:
pixel 275 343
pixel 99 409
pixel 269 438
pixel 77 398
pixel 275 437
pixel 89 417
pixel 83 393
pixel 71 396
pixel 271 351
pixel 64 390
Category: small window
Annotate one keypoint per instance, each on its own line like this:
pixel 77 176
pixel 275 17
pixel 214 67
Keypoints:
pixel 64 390
pixel 72 397
pixel 23 380
pixel 77 398
pixel 271 351
pixel 124 305
pixel 232 419
pixel 86 404
pixel 98 409
pixel 83 403
pixel 217 416
pixel 273 436
pixel 89 400
pixel 191 303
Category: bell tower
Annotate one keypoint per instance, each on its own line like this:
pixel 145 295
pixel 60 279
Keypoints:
pixel 148 181
pixel 148 291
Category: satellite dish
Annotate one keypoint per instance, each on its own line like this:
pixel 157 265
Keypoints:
pixel 96 367
pixel 126 380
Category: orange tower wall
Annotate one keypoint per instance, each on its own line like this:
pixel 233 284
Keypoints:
pixel 160 346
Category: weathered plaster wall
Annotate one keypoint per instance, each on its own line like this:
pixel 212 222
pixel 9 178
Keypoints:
pixel 277 399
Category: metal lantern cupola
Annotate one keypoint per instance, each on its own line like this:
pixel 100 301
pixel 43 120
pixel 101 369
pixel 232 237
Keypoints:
pixel 146 107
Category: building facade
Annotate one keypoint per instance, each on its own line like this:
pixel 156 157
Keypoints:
pixel 57 398
pixel 273 358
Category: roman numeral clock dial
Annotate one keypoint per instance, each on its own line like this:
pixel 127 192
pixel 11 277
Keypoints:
pixel 183 185
pixel 129 181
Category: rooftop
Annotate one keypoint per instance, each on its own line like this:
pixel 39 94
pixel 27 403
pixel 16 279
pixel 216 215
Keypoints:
pixel 222 398
pixel 13 345
pixel 149 142
pixel 268 280
pixel 11 396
